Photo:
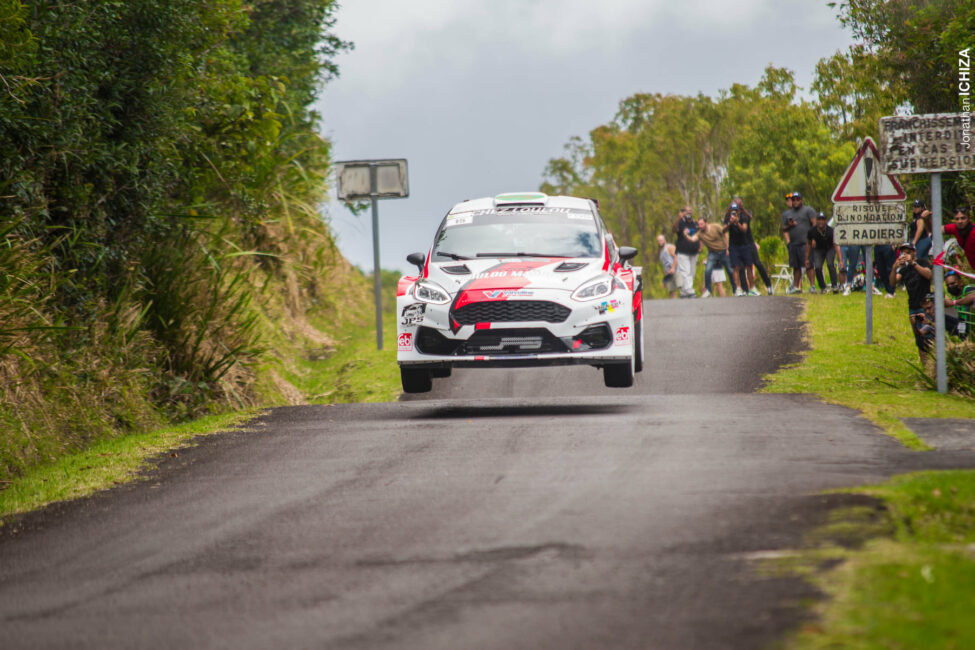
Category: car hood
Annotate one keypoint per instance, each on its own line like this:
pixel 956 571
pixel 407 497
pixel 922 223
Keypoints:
pixel 512 278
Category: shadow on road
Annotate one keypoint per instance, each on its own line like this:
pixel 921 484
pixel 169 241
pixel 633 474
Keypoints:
pixel 520 410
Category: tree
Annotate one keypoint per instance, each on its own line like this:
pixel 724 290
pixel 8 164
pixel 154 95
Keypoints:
pixel 915 44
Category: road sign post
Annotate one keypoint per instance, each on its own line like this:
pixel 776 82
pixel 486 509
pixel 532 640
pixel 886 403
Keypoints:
pixel 930 144
pixel 373 179
pixel 938 244
pixel 869 210
pixel 868 273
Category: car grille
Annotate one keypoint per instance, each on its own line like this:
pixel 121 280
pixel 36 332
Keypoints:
pixel 512 341
pixel 511 311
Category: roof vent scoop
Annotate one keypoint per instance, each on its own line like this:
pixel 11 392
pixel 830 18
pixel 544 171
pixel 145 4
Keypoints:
pixel 567 267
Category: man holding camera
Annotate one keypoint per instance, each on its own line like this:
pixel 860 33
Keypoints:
pixel 741 248
pixel 916 276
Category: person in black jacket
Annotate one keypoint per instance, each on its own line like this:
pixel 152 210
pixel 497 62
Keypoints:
pixel 823 250
pixel 687 250
pixel 759 266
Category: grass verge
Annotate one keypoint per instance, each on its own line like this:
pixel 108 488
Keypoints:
pixel 908 580
pixel 878 379
pixel 912 585
pixel 106 464
pixel 350 370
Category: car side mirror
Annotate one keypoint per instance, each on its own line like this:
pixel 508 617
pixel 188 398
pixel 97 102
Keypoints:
pixel 627 253
pixel 417 259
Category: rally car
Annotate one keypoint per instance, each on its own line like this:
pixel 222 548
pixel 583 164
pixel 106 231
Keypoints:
pixel 520 280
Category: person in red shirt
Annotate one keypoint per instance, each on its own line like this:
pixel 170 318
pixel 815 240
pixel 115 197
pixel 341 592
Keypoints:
pixel 963 231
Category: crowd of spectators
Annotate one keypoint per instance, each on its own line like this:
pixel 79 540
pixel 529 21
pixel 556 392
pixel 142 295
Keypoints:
pixel 732 255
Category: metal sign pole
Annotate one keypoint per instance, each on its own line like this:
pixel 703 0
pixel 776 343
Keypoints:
pixel 938 242
pixel 376 273
pixel 868 288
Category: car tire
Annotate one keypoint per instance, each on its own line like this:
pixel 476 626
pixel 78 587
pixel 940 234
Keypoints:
pixel 619 375
pixel 415 381
pixel 638 352
pixel 440 373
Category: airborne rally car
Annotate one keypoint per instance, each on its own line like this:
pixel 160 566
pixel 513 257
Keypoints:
pixel 520 280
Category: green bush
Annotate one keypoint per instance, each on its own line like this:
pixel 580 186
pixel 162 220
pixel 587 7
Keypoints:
pixel 772 251
pixel 160 166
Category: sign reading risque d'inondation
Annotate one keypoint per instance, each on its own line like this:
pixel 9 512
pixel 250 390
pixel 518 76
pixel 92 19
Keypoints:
pixel 870 224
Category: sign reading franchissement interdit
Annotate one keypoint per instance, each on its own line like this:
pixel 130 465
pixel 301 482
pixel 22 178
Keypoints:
pixel 922 144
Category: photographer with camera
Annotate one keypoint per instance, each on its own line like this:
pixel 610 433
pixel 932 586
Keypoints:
pixel 757 259
pixel 741 249
pixel 916 276
pixel 924 328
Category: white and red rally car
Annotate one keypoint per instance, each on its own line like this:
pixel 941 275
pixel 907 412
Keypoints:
pixel 520 280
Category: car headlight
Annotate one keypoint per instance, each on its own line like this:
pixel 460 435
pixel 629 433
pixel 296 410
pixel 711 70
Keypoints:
pixel 431 292
pixel 597 288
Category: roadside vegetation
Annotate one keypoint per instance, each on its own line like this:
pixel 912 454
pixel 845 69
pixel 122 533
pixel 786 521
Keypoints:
pixel 349 369
pixel 885 380
pixel 162 256
pixel 906 579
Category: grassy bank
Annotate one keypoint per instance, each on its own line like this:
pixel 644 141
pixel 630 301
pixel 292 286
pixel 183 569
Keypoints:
pixel 910 583
pixel 878 379
pixel 343 366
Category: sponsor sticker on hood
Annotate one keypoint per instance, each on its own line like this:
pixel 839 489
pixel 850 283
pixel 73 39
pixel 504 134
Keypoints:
pixel 507 293
pixel 413 314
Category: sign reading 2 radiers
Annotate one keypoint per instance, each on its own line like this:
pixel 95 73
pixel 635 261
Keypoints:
pixel 868 205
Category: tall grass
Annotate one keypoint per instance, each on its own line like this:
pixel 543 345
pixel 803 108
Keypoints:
pixel 198 306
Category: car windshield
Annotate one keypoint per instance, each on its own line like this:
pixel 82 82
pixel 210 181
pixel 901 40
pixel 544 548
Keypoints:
pixel 533 231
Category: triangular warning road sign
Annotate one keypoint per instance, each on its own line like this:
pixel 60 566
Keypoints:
pixel 864 182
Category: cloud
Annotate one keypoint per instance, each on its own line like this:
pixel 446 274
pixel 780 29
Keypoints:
pixel 480 94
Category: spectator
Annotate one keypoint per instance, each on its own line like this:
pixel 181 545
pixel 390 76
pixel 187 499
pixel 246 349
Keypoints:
pixel 919 231
pixel 924 325
pixel 712 235
pixel 916 276
pixel 823 249
pixel 668 260
pixel 852 255
pixel 961 296
pixel 962 230
pixel 687 251
pixel 797 220
pixel 884 257
pixel 759 266
pixel 741 249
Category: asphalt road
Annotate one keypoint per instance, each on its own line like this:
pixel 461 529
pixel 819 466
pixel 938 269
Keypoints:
pixel 510 509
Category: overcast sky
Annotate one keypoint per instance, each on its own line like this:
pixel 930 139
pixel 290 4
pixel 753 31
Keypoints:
pixel 478 95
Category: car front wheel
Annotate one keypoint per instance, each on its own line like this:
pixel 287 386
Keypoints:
pixel 619 375
pixel 415 381
pixel 638 352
